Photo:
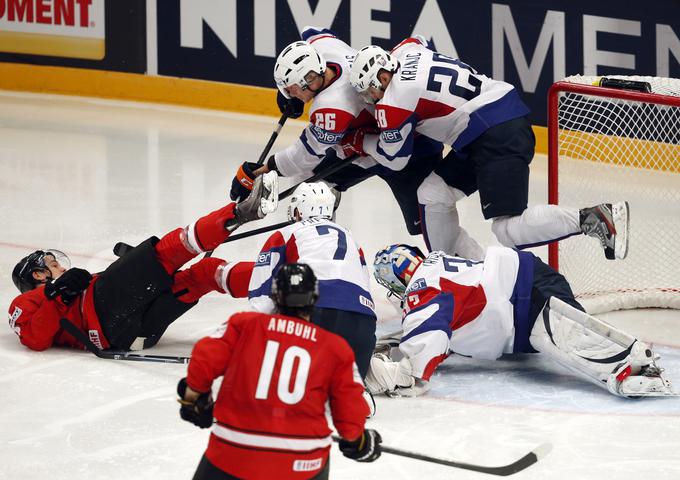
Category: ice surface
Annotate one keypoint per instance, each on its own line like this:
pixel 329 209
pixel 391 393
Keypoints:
pixel 81 174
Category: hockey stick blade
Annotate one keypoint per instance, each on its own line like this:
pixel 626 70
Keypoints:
pixel 502 471
pixel 79 335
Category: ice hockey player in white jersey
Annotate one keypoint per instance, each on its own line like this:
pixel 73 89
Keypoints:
pixel 511 302
pixel 420 91
pixel 315 71
pixel 345 305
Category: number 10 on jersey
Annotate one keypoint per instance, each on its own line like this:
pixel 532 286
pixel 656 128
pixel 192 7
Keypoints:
pixel 283 391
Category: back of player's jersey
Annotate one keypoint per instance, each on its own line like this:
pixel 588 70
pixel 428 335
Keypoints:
pixel 483 313
pixel 279 377
pixel 335 258
pixel 279 373
pixel 447 99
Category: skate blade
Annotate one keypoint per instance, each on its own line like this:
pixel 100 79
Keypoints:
pixel 621 216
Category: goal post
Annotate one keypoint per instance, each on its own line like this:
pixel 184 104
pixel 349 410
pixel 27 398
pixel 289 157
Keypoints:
pixel 610 144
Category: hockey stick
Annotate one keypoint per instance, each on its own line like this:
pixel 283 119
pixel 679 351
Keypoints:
pixel 264 153
pixel 503 471
pixel 272 139
pixel 322 174
pixel 116 354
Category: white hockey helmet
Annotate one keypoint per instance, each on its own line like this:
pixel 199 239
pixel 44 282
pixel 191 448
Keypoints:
pixel 311 200
pixel 294 63
pixel 367 65
pixel 394 266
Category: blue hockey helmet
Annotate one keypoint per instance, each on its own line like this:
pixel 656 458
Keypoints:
pixel 394 266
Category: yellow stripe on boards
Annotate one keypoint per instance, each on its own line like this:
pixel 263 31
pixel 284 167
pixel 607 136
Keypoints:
pixel 52 45
pixel 158 89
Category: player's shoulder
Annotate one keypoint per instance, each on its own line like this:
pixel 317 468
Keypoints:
pixel 246 318
pixel 326 42
pixel 33 297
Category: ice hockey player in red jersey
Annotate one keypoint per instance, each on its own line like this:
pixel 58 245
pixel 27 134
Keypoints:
pixel 131 303
pixel 419 91
pixel 511 302
pixel 279 372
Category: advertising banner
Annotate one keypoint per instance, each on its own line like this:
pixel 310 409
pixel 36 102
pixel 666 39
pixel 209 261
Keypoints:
pixel 59 28
pixel 529 43
pixel 99 34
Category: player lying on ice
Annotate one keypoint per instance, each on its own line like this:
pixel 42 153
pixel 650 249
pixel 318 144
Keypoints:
pixel 511 302
pixel 131 303
pixel 279 372
pixel 418 91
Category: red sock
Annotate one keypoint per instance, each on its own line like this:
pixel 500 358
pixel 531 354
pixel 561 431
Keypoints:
pixel 239 279
pixel 172 252
pixel 197 280
pixel 208 231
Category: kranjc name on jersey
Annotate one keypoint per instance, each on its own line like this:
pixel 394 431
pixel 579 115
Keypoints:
pixel 463 306
pixel 330 250
pixel 333 111
pixel 439 97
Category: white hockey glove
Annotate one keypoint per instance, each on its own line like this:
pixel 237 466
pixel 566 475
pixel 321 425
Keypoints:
pixel 393 378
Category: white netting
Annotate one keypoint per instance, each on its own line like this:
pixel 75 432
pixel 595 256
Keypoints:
pixel 610 150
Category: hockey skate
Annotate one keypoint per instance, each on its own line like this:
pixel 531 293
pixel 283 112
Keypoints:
pixel 263 199
pixel 609 224
pixel 631 380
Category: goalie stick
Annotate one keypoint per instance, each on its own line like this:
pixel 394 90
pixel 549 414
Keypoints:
pixel 79 335
pixel 502 471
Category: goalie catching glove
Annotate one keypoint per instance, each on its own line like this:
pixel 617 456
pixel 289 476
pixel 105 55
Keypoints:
pixel 198 411
pixel 366 448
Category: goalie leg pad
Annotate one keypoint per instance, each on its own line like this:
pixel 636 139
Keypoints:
pixel 594 349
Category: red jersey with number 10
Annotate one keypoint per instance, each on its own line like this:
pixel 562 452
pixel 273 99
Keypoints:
pixel 279 373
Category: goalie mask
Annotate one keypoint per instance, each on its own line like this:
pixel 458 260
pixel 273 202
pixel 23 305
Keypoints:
pixel 294 64
pixel 51 262
pixel 311 200
pixel 367 65
pixel 394 266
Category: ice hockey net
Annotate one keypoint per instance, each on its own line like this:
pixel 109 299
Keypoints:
pixel 611 144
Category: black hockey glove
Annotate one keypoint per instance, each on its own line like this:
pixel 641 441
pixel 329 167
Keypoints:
pixel 69 285
pixel 292 107
pixel 242 183
pixel 366 448
pixel 198 412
